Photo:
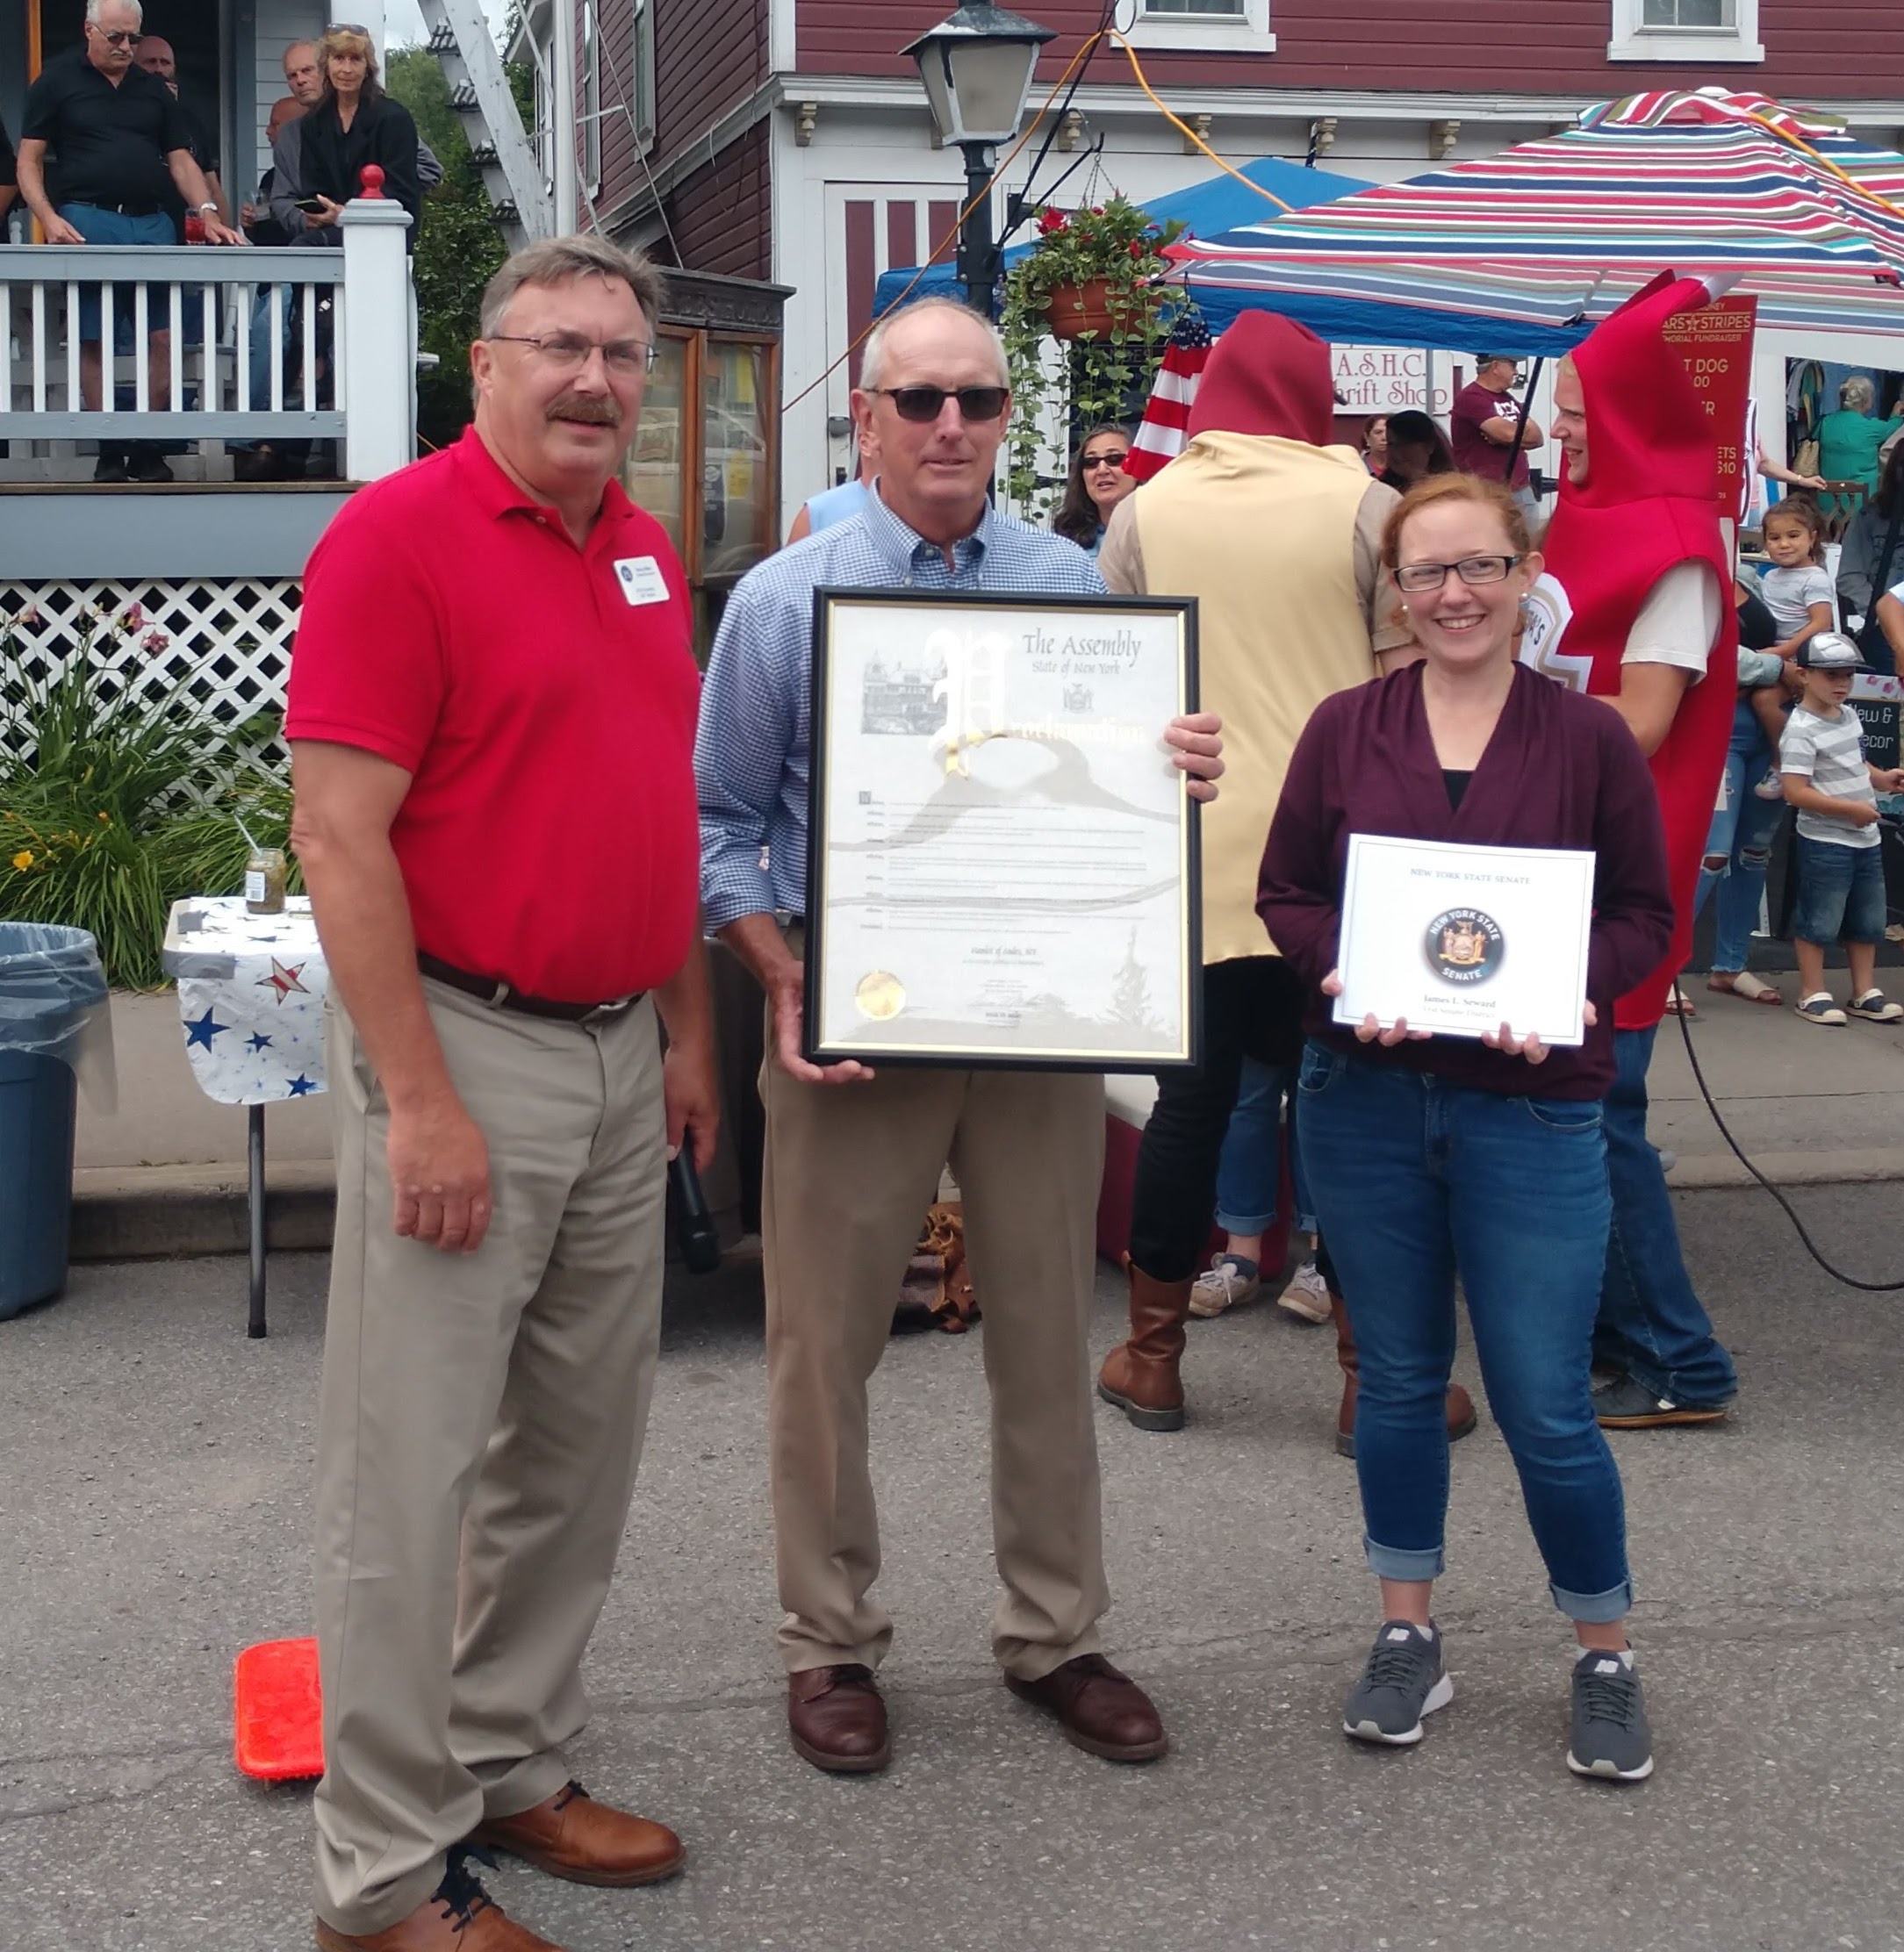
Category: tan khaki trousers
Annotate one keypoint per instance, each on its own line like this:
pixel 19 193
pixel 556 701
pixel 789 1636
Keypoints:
pixel 850 1172
pixel 480 1424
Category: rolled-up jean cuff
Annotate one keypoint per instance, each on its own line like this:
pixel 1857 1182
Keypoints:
pixel 1246 1223
pixel 1392 1562
pixel 1595 1609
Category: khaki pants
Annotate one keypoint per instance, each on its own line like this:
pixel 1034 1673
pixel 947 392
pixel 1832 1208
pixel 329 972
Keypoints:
pixel 850 1172
pixel 480 1424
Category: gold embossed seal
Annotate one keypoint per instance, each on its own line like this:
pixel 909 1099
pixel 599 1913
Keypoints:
pixel 880 996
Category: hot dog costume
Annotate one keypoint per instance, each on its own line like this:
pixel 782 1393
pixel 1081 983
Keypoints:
pixel 1649 503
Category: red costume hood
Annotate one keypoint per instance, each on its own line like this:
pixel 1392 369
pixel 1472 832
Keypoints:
pixel 1649 434
pixel 1267 375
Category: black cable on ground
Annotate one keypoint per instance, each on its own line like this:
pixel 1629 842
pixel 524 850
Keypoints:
pixel 1791 1212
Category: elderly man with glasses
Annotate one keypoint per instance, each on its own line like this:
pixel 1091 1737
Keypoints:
pixel 122 144
pixel 491 719
pixel 852 1159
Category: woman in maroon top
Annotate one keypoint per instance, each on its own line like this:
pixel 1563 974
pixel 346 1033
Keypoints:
pixel 1432 1158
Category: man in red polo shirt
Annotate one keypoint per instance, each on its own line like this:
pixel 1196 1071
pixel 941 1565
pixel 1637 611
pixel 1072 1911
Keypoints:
pixel 492 717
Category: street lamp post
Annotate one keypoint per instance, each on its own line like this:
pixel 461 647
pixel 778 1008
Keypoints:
pixel 976 67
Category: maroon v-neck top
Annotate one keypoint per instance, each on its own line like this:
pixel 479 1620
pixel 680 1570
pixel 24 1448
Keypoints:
pixel 1562 771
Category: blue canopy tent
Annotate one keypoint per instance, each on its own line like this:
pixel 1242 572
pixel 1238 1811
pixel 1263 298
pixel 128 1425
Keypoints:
pixel 1208 209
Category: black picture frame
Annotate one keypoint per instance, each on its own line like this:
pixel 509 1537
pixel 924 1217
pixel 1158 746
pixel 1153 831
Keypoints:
pixel 826 732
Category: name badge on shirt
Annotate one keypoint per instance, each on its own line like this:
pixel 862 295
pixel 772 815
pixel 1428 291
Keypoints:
pixel 641 580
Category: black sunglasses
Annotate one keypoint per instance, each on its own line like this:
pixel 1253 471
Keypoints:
pixel 117 36
pixel 925 404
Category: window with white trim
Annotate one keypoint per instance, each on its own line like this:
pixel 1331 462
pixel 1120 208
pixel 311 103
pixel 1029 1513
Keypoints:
pixel 1231 27
pixel 1685 30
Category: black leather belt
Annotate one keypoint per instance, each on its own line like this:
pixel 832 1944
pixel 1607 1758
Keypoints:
pixel 119 209
pixel 504 996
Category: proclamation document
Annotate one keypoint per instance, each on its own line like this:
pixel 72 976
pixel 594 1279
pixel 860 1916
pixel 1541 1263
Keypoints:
pixel 1002 862
pixel 1459 940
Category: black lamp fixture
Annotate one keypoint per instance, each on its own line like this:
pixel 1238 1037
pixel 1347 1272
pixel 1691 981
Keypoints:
pixel 976 67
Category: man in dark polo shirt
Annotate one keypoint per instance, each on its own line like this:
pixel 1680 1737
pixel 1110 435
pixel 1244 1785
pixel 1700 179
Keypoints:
pixel 155 56
pixel 121 141
pixel 492 717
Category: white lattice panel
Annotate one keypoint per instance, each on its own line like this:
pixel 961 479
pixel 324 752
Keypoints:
pixel 224 643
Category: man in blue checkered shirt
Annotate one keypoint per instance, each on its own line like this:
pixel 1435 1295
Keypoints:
pixel 852 1161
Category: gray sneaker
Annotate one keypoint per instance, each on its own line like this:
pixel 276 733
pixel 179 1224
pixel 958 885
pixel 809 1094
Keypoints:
pixel 1404 1681
pixel 1611 1738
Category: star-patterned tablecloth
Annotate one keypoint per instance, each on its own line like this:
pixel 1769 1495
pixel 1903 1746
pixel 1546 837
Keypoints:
pixel 251 995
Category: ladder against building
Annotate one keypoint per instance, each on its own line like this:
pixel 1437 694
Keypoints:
pixel 465 49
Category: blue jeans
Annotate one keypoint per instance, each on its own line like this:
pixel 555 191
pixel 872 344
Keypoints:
pixel 1418 1180
pixel 109 227
pixel 1740 835
pixel 259 361
pixel 1652 1325
pixel 1841 892
pixel 1249 1171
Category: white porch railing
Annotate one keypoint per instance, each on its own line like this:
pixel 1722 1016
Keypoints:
pixel 306 343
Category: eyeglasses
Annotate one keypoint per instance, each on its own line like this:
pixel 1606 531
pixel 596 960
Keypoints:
pixel 925 404
pixel 569 351
pixel 1418 576
pixel 348 27
pixel 1090 461
pixel 119 37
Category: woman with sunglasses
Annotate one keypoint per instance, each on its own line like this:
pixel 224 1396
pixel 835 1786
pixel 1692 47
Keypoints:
pixel 354 123
pixel 1097 485
pixel 1433 1159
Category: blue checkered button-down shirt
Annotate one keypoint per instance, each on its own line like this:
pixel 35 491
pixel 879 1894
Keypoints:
pixel 750 756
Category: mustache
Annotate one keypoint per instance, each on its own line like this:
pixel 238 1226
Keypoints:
pixel 588 410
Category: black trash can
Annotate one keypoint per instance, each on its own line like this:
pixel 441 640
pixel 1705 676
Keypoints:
pixel 50 985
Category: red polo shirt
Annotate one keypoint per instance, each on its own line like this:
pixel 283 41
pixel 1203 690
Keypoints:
pixel 542 697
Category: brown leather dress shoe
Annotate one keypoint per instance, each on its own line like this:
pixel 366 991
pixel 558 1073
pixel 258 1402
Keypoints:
pixel 571 1835
pixel 838 1720
pixel 1099 1709
pixel 458 1916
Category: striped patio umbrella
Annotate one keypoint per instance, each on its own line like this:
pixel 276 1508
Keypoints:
pixel 1526 250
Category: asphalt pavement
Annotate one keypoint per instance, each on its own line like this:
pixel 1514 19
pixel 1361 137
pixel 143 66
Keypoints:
pixel 154 1490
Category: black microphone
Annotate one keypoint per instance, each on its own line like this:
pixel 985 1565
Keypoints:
pixel 694 1225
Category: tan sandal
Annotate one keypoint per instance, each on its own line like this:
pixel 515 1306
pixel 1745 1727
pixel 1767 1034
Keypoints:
pixel 1744 983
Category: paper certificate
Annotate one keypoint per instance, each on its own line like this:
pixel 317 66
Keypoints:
pixel 1459 940
pixel 1002 863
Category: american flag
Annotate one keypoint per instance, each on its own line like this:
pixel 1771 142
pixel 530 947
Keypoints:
pixel 1165 432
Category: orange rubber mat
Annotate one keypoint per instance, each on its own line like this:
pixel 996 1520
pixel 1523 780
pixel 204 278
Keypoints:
pixel 278 1720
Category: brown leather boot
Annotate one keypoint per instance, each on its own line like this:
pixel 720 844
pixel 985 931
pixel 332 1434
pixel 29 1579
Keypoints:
pixel 1460 1410
pixel 458 1916
pixel 571 1835
pixel 1140 1376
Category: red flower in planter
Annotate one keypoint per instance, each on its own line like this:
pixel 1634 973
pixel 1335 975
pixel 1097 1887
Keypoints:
pixel 1052 221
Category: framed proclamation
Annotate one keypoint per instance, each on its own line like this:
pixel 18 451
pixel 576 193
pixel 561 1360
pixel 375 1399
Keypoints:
pixel 1002 858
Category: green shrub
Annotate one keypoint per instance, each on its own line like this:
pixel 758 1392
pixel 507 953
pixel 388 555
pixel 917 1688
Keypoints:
pixel 112 803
